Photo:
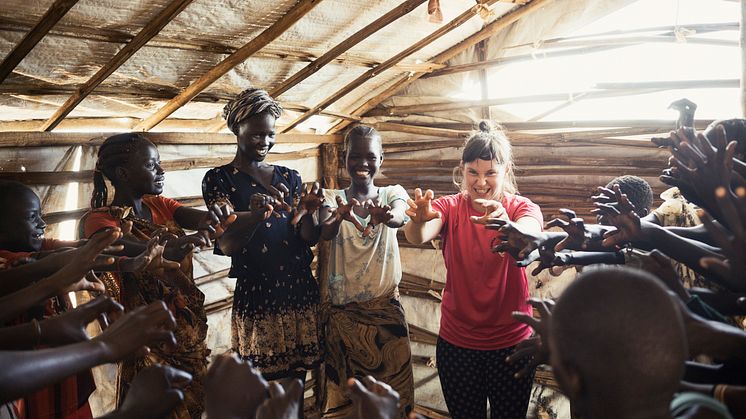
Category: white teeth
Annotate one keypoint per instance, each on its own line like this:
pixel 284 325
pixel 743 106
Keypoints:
pixel 362 173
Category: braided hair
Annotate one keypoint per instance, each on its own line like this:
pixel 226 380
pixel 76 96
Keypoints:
pixel 114 152
pixel 489 143
pixel 248 103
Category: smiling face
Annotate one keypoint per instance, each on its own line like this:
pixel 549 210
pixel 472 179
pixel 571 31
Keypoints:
pixel 364 158
pixel 21 227
pixel 483 179
pixel 256 136
pixel 143 173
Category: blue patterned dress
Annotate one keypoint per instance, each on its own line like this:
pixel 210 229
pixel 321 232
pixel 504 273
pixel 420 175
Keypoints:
pixel 274 322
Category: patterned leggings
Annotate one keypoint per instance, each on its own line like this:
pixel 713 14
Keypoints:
pixel 470 377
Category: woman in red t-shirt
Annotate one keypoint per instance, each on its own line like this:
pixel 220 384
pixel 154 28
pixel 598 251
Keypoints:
pixel 477 331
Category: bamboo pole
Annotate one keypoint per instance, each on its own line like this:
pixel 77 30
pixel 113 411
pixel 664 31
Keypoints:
pixel 267 36
pixel 489 30
pixel 150 30
pixel 56 11
pixel 443 30
pixel 481 50
pixel 394 14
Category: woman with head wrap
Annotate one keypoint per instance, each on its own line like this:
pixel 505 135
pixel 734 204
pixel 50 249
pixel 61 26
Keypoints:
pixel 275 304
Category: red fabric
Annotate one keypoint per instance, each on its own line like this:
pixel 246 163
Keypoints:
pixel 9 257
pixel 482 288
pixel 67 399
pixel 162 209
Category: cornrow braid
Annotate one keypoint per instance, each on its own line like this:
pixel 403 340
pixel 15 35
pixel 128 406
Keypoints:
pixel 114 152
pixel 248 103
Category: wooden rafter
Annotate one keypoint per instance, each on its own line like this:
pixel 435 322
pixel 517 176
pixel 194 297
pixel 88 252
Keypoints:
pixel 53 15
pixel 443 30
pixel 264 38
pixel 489 30
pixel 50 139
pixel 345 45
pixel 149 31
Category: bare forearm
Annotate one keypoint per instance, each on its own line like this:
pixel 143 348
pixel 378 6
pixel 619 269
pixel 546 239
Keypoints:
pixel 419 233
pixel 239 232
pixel 18 302
pixel 309 230
pixel 23 372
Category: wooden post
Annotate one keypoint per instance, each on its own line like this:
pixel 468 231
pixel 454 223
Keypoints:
pixel 329 160
pixel 481 51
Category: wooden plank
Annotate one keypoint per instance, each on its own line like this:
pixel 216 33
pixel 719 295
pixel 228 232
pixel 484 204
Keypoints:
pixel 563 125
pixel 206 279
pixel 267 36
pixel 47 139
pixel 443 30
pixel 56 11
pixel 345 45
pixel 148 32
pixel 489 30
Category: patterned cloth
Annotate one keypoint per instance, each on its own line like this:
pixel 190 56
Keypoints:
pixel 471 377
pixel 67 399
pixel 368 338
pixel 176 288
pixel 276 302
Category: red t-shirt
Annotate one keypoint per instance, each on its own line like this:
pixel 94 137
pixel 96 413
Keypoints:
pixel 482 288
pixel 162 209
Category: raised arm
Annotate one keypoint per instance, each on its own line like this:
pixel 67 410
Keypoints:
pixel 424 224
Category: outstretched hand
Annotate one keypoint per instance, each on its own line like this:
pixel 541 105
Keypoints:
pixel 420 208
pixel 578 237
pixel 343 212
pixel 70 326
pixel 731 267
pixel 310 202
pixel 154 393
pixel 621 215
pixel 217 220
pixel 535 348
pixel 373 399
pixel 233 389
pixel 492 210
pixel 283 402
pixel 84 259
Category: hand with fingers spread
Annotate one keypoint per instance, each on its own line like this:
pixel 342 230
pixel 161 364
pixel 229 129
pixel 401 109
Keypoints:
pixel 579 237
pixel 515 240
pixel 136 330
pixel 233 389
pixel 217 219
pixel 84 259
pixel 492 210
pixel 536 348
pixel 420 208
pixel 310 202
pixel 343 212
pixel 621 215
pixel 283 402
pixel 731 267
pixel 373 399
pixel 379 214
pixel 154 393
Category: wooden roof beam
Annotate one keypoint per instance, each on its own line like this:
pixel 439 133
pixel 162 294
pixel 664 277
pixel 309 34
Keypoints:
pixel 148 32
pixel 489 30
pixel 378 24
pixel 264 38
pixel 53 15
pixel 443 30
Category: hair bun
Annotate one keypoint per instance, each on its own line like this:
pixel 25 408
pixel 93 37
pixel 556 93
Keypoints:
pixel 485 126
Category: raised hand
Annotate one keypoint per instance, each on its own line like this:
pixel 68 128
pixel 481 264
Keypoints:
pixel 621 215
pixel 279 193
pixel 84 259
pixel 343 212
pixel 136 330
pixel 216 221
pixel 154 393
pixel 732 241
pixel 514 240
pixel 536 348
pixel 69 327
pixel 578 237
pixel 283 403
pixel 492 210
pixel 379 214
pixel 420 208
pixel 310 202
pixel 373 399
pixel 233 389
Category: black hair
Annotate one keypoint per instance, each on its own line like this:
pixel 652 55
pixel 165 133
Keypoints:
pixel 489 143
pixel 11 190
pixel 362 131
pixel 114 152
pixel 735 130
pixel 638 191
